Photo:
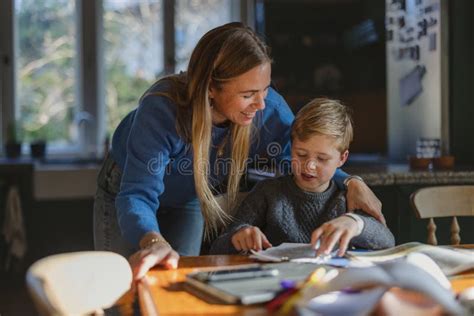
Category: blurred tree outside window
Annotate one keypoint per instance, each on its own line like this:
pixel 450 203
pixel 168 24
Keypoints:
pixel 193 19
pixel 133 53
pixel 47 58
pixel 45 63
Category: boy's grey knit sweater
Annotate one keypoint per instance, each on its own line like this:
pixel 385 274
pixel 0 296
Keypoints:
pixel 285 213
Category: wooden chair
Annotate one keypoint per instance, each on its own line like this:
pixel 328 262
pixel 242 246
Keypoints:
pixel 78 283
pixel 443 201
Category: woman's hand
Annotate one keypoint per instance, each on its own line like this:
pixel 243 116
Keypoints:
pixel 340 229
pixel 250 237
pixel 360 197
pixel 152 254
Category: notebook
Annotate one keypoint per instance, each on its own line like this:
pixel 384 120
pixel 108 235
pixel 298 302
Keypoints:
pixel 251 290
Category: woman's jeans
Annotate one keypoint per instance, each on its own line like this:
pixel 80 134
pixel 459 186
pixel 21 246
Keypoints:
pixel 182 227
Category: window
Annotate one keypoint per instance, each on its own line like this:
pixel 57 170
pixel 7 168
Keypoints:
pixel 193 19
pixel 45 70
pixel 81 66
pixel 133 53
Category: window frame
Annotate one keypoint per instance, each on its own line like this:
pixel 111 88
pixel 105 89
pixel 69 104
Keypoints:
pixel 90 93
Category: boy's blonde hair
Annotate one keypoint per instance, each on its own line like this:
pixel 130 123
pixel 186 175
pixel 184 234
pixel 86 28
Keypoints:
pixel 326 117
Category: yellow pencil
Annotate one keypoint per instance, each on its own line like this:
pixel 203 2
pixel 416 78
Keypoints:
pixel 314 278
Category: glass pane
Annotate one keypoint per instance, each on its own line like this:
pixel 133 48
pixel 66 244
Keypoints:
pixel 133 52
pixel 45 64
pixel 193 19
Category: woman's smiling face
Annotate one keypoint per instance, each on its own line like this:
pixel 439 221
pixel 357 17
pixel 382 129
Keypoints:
pixel 239 99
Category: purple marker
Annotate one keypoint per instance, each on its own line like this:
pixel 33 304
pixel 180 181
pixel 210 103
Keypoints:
pixel 288 284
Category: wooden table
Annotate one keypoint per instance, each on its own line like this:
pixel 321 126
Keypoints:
pixel 162 291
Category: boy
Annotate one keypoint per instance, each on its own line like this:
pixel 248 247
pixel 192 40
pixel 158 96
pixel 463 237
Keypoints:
pixel 306 206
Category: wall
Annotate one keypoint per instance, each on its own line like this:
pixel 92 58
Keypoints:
pixel 6 68
pixel 52 226
pixel 423 116
pixel 462 80
pixel 334 49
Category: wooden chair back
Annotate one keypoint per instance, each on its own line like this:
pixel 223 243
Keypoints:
pixel 443 201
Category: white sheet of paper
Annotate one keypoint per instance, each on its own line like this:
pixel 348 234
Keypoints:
pixel 301 253
pixel 343 303
pixel 285 252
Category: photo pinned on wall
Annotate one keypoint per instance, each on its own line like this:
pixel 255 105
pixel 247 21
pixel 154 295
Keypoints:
pixel 397 5
pixel 401 22
pixel 389 35
pixel 411 86
pixel 432 42
pixel 423 28
pixel 410 53
pixel 425 24
pixel 407 39
pixel 431 8
pixel 390 20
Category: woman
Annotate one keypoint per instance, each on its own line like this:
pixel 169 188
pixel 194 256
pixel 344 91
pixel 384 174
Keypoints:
pixel 156 189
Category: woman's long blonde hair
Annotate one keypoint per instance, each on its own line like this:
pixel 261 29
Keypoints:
pixel 220 55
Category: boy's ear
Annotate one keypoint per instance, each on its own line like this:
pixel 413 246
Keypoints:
pixel 344 157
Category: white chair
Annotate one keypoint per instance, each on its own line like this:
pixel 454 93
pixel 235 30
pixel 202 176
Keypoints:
pixel 443 201
pixel 78 283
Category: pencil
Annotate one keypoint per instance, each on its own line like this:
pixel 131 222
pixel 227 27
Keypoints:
pixel 313 279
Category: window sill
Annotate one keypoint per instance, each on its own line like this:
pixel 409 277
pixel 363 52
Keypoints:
pixel 64 181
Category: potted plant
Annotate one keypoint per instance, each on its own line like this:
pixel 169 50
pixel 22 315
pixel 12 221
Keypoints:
pixel 38 146
pixel 12 144
pixel 38 149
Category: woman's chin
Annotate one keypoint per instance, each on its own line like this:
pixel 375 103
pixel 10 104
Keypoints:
pixel 244 122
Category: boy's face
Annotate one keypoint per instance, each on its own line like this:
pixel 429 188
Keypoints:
pixel 315 161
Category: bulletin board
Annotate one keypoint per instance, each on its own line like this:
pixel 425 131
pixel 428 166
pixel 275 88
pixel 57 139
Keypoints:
pixel 415 45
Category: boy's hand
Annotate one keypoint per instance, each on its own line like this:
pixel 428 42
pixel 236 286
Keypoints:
pixel 340 229
pixel 250 237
